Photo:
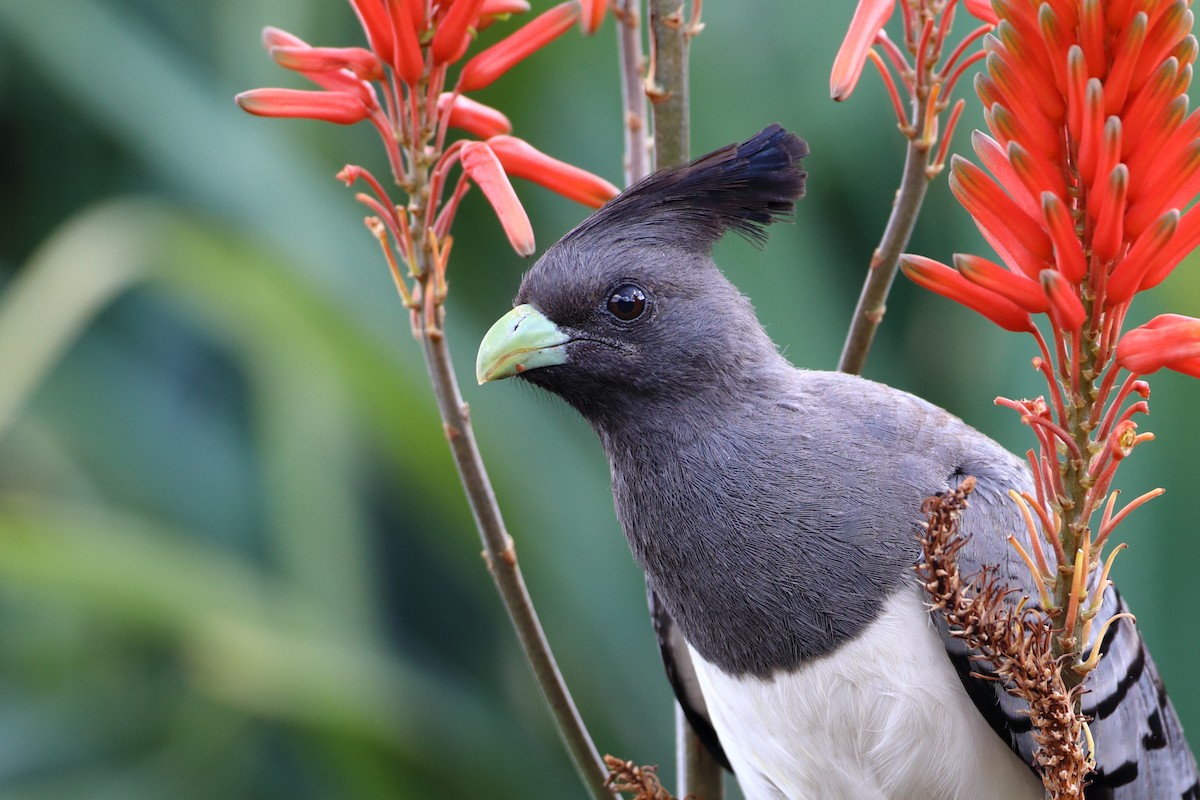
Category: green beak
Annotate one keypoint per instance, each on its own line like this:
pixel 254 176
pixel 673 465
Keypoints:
pixel 522 339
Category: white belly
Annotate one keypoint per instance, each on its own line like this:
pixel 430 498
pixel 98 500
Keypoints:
pixel 883 718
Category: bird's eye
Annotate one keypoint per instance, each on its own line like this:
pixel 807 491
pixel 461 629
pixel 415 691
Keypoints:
pixel 627 302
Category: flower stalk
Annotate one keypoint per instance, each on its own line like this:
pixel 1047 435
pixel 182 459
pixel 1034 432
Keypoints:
pixel 665 84
pixel 928 77
pixel 1089 162
pixel 1084 207
pixel 403 86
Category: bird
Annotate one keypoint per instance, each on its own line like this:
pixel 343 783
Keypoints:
pixel 775 512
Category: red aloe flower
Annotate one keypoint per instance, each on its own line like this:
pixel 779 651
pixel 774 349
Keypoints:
pixel 867 30
pixel 488 173
pixel 1087 183
pixel 397 84
pixel 340 107
pixel 522 160
pixel 1093 158
pixel 1168 340
pixel 485 68
pixel 473 117
pixel 869 18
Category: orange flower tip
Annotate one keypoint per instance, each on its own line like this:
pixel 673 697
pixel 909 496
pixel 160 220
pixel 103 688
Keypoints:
pixel 1066 309
pixel 592 15
pixel 409 61
pixel 453 32
pixel 349 174
pixel 277 37
pixel 342 108
pixel 939 278
pixel 499 11
pixel 1027 294
pixel 503 8
pixel 1186 366
pixel 484 168
pixel 473 117
pixel 963 168
pixel 522 160
pixel 982 10
pixel 377 24
pixel 869 18
pixel 362 62
pixel 486 67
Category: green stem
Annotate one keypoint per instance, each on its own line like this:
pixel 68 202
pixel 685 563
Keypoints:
pixel 502 563
pixel 498 546
pixel 669 92
pixel 700 776
pixel 633 94
pixel 1074 507
pixel 886 258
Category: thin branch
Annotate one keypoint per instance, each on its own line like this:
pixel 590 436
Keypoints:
pixel 633 95
pixel 669 92
pixel 699 775
pixel 886 259
pixel 502 562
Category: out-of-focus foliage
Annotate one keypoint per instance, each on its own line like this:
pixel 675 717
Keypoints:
pixel 234 557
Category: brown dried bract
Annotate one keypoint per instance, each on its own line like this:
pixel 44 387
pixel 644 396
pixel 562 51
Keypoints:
pixel 627 777
pixel 1015 641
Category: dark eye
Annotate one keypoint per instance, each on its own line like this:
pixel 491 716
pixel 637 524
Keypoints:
pixel 627 302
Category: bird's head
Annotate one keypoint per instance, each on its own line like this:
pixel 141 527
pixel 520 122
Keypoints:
pixel 629 307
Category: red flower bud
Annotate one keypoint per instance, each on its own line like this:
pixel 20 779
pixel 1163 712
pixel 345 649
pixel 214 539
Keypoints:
pixel 489 65
pixel 1066 309
pixel 1110 228
pixel 409 62
pixel 938 277
pixel 336 80
pixel 453 37
pixel 1016 236
pixel 486 171
pixel 1068 251
pixel 496 8
pixel 593 15
pixel 521 160
pixel 869 18
pixel 1026 293
pixel 473 117
pixel 377 25
pixel 982 9
pixel 340 107
pixel 363 63
pixel 1143 259
pixel 1168 340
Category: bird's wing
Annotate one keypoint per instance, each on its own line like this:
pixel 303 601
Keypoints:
pixel 682 674
pixel 1141 753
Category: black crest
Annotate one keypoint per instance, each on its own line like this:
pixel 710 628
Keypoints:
pixel 742 187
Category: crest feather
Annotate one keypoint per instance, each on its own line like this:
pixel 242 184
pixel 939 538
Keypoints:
pixel 742 187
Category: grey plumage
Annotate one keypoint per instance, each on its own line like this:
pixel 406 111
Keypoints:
pixel 775 510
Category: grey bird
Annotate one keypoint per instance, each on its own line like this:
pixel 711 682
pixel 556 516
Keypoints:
pixel 775 512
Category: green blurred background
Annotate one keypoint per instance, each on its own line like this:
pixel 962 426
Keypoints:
pixel 235 560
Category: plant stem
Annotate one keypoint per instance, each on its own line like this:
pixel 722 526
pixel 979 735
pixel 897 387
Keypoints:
pixel 1077 483
pixel 668 83
pixel 699 773
pixel 633 95
pixel 886 258
pixel 499 551
pixel 502 560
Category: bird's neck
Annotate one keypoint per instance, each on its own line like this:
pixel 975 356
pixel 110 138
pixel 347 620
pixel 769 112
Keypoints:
pixel 718 512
